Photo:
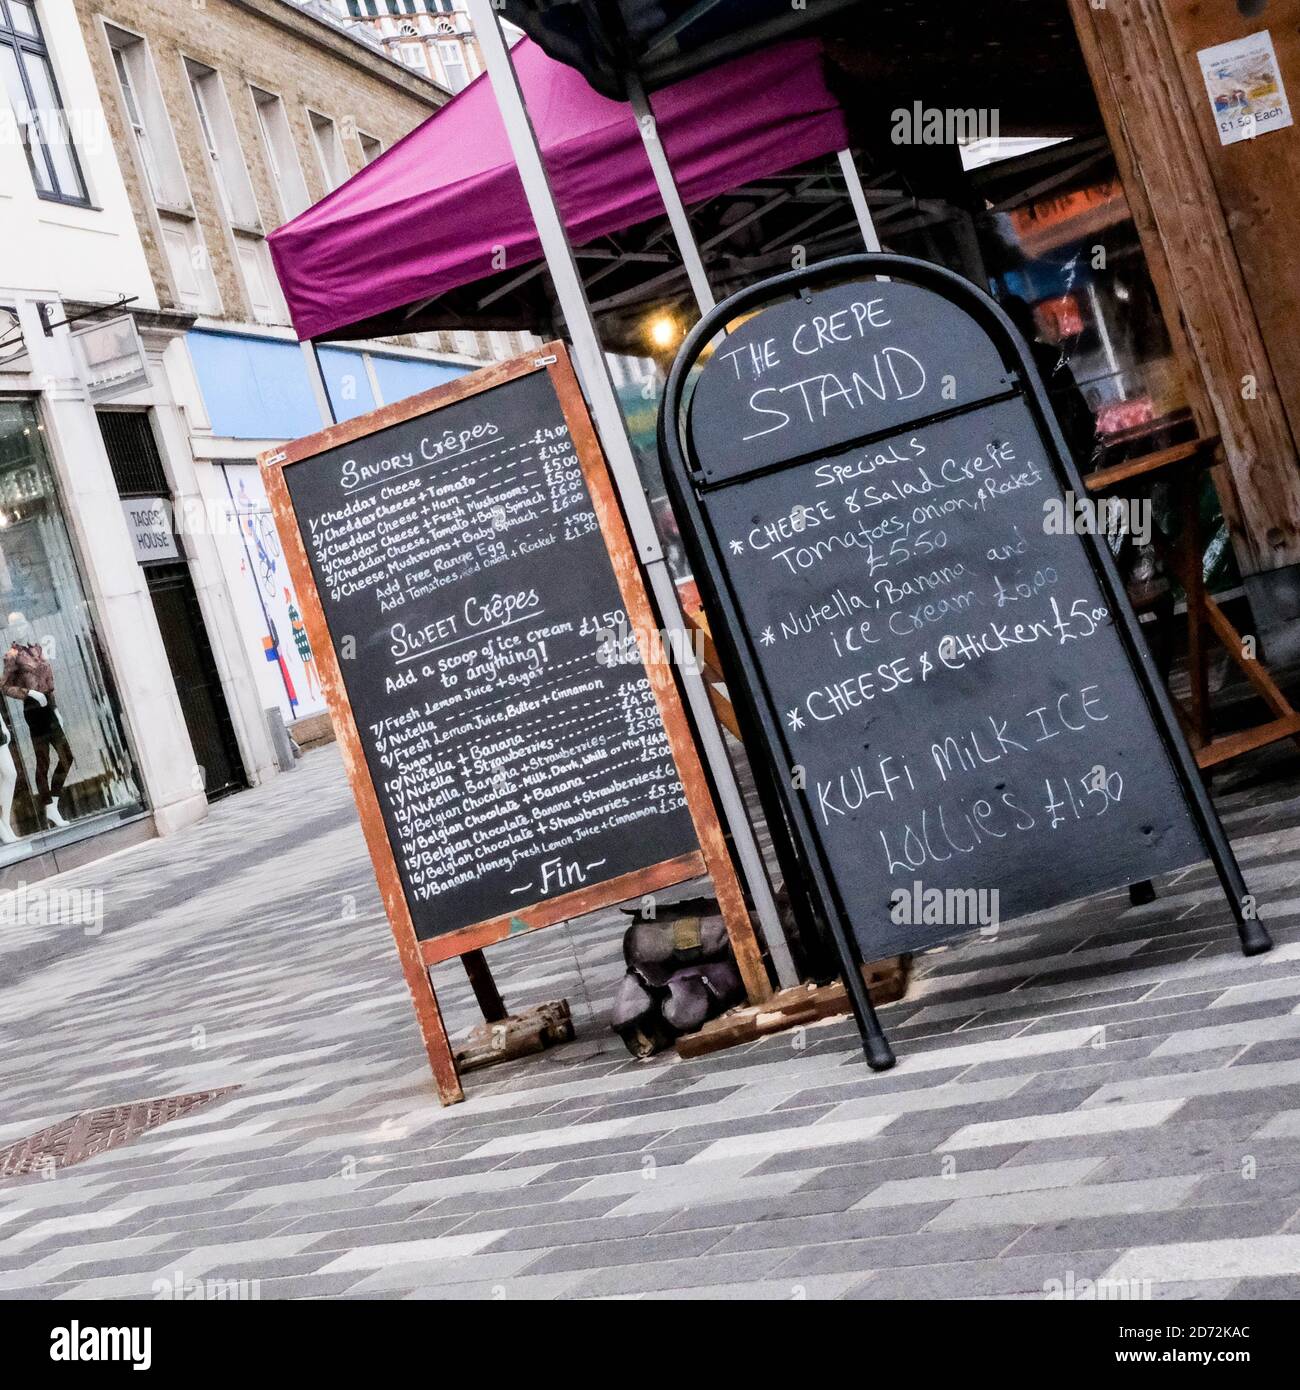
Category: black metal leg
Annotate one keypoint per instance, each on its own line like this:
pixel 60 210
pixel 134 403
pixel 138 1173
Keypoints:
pixel 1255 939
pixel 880 1056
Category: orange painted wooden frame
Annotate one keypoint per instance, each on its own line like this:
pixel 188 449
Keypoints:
pixel 712 855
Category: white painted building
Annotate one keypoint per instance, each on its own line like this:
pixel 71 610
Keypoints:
pixel 145 362
pixel 78 624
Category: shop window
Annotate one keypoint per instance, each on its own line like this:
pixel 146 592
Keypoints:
pixel 42 124
pixel 64 762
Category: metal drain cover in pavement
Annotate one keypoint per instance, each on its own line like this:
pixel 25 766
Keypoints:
pixel 95 1131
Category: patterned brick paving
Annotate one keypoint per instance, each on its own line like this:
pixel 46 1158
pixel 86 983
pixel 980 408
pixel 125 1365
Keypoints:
pixel 1104 1091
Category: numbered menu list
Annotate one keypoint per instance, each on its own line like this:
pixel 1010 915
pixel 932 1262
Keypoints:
pixel 506 718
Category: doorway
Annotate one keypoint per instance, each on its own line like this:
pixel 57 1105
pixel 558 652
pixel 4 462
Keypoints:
pixel 139 473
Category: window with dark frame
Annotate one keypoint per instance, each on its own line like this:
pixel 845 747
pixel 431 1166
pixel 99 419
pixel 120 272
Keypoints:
pixel 28 78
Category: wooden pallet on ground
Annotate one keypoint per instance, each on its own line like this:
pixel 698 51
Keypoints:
pixel 517 1035
pixel 793 1008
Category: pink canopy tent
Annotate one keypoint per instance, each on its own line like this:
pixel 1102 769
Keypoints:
pixel 445 206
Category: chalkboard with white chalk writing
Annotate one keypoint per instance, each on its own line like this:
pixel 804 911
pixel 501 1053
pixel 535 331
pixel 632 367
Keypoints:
pixel 894 564
pixel 510 730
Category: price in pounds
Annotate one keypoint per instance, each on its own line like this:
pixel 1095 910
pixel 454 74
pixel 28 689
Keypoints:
pixel 1082 798
pixel 579 524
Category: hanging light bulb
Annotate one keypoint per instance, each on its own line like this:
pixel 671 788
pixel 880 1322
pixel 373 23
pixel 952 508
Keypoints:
pixel 664 331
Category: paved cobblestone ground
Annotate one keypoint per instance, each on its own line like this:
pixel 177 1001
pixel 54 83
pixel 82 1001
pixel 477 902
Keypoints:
pixel 1108 1091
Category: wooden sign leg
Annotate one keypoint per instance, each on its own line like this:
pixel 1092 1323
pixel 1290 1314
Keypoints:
pixel 485 989
pixel 731 902
pixel 432 1028
pixel 708 831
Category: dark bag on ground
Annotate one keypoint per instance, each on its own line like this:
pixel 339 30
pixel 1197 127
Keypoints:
pixel 680 974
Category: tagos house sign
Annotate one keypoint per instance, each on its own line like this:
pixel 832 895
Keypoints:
pixel 149 521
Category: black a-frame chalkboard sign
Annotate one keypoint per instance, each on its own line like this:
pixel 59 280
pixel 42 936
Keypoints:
pixel 955 709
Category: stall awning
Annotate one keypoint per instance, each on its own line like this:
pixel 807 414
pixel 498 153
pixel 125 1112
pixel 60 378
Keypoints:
pixel 445 206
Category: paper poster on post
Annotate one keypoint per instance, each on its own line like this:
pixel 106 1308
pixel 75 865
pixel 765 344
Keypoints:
pixel 1245 87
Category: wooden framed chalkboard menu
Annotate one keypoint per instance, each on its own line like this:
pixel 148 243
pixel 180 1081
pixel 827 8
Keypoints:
pixel 949 692
pixel 511 728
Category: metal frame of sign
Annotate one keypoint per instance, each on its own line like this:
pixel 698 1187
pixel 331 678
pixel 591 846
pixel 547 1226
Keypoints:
pixel 712 857
pixel 687 483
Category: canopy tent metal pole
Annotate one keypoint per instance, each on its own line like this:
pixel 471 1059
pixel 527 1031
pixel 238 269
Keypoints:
pixel 319 389
pixel 668 191
pixel 608 416
pixel 858 197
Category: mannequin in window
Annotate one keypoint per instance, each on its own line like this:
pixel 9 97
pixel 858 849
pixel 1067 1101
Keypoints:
pixel 29 676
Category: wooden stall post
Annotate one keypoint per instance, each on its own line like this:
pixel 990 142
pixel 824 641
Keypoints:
pixel 1153 123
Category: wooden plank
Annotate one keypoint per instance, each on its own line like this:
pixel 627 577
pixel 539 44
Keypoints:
pixel 793 1008
pixel 699 622
pixel 1139 83
pixel 713 678
pixel 1103 479
pixel 1157 262
pixel 1257 180
pixel 1254 671
pixel 1221 750
pixel 725 711
pixel 516 1035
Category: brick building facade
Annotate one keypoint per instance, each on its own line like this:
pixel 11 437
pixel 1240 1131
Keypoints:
pixel 265 71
